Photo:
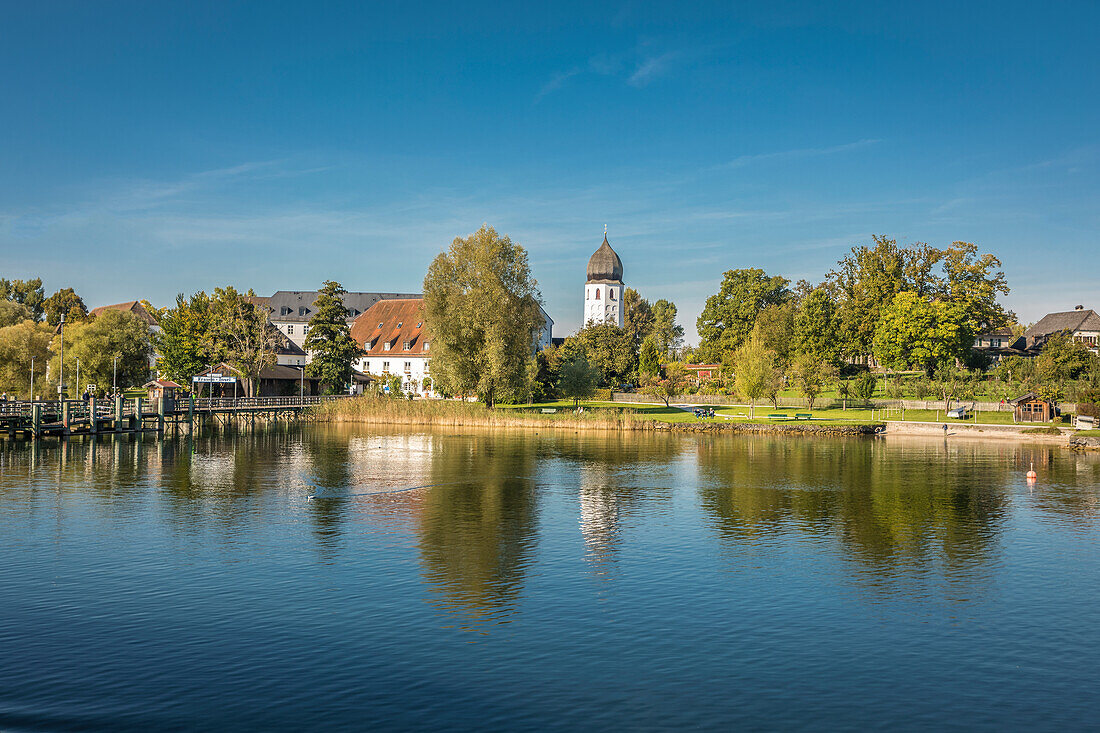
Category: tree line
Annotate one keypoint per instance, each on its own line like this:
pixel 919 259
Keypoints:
pixel 113 347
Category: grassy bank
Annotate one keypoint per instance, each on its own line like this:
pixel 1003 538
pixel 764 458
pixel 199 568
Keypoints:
pixel 447 413
pixel 561 414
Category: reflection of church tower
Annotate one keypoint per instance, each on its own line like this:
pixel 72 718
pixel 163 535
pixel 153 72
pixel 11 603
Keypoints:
pixel 603 292
pixel 600 515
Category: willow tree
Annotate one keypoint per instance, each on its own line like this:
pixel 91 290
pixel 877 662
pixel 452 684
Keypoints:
pixel 481 305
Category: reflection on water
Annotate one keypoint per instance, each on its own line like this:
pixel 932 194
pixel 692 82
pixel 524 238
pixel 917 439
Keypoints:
pixel 383 544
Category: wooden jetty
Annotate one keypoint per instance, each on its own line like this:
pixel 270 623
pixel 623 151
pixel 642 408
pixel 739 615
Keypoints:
pixel 40 419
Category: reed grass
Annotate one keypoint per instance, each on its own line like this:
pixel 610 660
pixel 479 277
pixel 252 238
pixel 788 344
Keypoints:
pixel 378 410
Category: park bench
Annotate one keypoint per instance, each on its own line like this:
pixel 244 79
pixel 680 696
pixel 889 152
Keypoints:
pixel 777 416
pixel 548 410
pixel 803 416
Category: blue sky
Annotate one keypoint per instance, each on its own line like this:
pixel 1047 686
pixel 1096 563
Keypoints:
pixel 151 148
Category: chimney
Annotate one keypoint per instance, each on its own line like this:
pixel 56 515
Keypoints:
pixel 1079 308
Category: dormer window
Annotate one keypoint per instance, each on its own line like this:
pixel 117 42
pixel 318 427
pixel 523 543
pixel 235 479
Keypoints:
pixel 421 323
pixel 285 311
pixel 427 344
pixel 399 325
pixel 303 311
pixel 381 324
pixel 408 345
pixel 386 346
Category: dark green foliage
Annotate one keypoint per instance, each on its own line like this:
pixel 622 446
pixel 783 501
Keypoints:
pixel 578 378
pixel 333 349
pixel 25 292
pixel 730 316
pixel 64 301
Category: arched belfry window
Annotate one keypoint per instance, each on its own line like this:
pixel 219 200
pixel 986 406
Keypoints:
pixel 597 293
pixel 611 294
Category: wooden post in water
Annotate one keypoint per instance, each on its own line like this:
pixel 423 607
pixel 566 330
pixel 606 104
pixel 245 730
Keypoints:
pixel 190 413
pixel 160 415
pixel 65 415
pixel 93 419
pixel 118 413
pixel 137 413
pixel 36 420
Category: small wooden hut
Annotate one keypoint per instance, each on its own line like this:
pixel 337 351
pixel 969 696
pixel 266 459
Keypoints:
pixel 163 388
pixel 1033 408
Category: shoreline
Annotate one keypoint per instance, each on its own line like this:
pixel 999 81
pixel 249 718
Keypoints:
pixel 472 415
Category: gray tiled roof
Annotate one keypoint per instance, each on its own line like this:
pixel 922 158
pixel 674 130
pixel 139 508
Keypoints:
pixel 298 306
pixel 1082 320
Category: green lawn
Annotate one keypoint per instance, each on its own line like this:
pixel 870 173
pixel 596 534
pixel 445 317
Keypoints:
pixel 741 414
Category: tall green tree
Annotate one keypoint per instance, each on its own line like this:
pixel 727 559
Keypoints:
pixel 816 327
pixel 811 375
pixel 756 374
pixel 482 306
pixel 668 335
pixel 548 363
pixel 96 342
pixel 974 282
pixel 608 348
pixel 649 360
pixel 243 334
pixel 578 378
pixel 12 313
pixel 67 302
pixel 867 279
pixel 775 325
pixel 730 315
pixel 329 339
pixel 19 343
pixel 913 332
pixel 637 316
pixel 187 341
pixel 25 292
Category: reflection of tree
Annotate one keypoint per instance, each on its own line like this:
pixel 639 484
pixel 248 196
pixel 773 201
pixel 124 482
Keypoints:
pixel 890 506
pixel 329 458
pixel 476 538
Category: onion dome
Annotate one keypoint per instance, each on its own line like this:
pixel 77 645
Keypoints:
pixel 604 265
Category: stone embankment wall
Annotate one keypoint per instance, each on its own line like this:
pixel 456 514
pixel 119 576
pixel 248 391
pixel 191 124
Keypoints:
pixel 1085 443
pixel 777 429
pixel 1015 432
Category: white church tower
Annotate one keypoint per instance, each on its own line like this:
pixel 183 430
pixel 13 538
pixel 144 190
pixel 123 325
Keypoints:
pixel 603 292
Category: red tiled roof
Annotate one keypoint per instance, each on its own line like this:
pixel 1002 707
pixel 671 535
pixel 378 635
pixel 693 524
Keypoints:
pixel 131 306
pixel 405 311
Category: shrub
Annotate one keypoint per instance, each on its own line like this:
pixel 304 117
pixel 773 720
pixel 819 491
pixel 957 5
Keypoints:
pixel 602 395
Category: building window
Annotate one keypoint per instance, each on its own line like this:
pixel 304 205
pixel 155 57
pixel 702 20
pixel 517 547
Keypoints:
pixel 408 367
pixel 427 345
pixel 385 367
pixel 407 345
pixel 289 330
pixel 611 293
pixel 305 329
pixel 427 366
pixel 386 346
pixel 597 293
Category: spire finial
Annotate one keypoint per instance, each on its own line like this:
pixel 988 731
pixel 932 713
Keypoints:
pixel 605 230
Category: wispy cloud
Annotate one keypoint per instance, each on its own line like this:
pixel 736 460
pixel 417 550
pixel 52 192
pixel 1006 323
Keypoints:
pixel 798 153
pixel 651 68
pixel 635 68
pixel 556 82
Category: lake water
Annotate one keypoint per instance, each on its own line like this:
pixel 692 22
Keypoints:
pixel 546 581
